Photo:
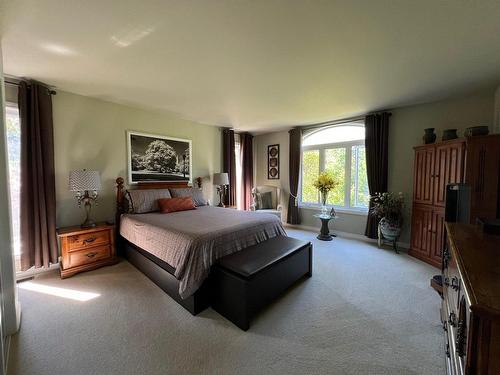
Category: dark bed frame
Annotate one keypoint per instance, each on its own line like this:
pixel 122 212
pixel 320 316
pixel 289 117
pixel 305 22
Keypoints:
pixel 158 271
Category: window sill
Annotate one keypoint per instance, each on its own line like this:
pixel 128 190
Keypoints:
pixel 341 210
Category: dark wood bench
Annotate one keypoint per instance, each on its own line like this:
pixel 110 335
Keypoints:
pixel 247 281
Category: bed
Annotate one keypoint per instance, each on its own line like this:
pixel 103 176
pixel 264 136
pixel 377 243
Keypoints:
pixel 177 250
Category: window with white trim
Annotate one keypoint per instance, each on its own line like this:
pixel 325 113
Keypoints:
pixel 13 132
pixel 340 150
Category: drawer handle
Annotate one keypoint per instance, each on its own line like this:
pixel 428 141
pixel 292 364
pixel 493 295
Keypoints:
pixel 452 319
pixel 89 240
pixel 446 281
pixel 90 255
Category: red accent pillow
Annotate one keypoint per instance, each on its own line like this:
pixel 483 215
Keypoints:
pixel 168 205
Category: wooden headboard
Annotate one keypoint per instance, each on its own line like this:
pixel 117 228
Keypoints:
pixel 120 191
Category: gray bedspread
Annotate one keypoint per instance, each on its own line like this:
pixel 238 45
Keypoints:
pixel 191 241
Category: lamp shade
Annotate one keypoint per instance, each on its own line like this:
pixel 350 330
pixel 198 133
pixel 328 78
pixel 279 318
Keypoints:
pixel 221 179
pixel 84 180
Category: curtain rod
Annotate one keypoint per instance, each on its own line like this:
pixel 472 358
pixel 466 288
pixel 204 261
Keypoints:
pixel 341 121
pixel 10 81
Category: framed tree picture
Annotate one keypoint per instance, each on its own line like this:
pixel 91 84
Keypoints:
pixel 155 158
pixel 273 162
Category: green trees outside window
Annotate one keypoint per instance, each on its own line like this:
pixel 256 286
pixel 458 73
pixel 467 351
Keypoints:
pixel 340 151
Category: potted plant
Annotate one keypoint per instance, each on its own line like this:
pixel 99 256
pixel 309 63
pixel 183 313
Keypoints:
pixel 324 183
pixel 388 207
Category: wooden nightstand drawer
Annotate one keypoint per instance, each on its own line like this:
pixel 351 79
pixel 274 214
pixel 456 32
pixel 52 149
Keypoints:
pixel 86 256
pixel 85 240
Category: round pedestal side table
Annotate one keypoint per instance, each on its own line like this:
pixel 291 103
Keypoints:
pixel 324 234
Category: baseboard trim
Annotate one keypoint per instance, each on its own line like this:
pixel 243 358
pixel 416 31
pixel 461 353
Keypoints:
pixel 32 272
pixel 353 236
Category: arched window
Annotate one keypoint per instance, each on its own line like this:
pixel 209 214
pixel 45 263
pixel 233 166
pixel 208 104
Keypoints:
pixel 340 150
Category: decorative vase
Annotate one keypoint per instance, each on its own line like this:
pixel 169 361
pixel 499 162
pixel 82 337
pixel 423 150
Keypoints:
pixel 324 197
pixel 429 136
pixel 389 229
pixel 449 134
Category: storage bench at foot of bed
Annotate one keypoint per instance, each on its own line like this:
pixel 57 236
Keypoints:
pixel 245 282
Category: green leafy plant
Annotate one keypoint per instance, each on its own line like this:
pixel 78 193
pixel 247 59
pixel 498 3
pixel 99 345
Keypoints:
pixel 389 206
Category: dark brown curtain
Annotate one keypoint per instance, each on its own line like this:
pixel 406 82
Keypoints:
pixel 376 144
pixel 229 165
pixel 293 216
pixel 246 152
pixel 38 197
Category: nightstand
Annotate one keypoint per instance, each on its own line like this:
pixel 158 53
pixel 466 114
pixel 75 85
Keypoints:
pixel 86 249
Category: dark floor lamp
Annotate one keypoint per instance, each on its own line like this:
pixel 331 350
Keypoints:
pixel 221 180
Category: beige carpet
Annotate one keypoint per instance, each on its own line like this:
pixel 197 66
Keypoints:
pixel 364 311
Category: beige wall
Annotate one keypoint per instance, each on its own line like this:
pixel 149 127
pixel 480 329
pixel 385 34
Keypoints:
pixel 407 126
pixel 260 161
pixel 91 133
pixel 406 131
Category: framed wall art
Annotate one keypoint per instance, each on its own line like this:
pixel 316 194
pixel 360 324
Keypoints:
pixel 154 158
pixel 273 162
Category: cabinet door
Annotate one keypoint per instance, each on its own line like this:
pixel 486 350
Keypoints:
pixel 421 231
pixel 482 173
pixel 448 168
pixel 423 171
pixel 437 236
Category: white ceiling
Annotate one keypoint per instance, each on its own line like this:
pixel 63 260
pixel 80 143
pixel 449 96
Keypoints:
pixel 256 64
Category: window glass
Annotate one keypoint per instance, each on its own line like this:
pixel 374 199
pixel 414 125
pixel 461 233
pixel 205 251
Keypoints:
pixel 335 134
pixel 310 171
pixel 339 150
pixel 360 195
pixel 14 163
pixel 335 164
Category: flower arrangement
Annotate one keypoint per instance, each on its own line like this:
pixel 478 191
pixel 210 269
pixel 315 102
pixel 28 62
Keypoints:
pixel 389 206
pixel 324 183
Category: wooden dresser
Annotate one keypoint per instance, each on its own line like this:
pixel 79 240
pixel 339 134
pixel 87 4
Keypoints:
pixel 473 160
pixel 86 249
pixel 470 309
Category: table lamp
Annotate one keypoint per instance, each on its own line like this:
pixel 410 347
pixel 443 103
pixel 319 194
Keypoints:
pixel 221 180
pixel 85 184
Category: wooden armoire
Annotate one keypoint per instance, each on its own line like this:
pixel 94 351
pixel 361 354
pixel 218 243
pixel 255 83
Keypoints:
pixel 473 160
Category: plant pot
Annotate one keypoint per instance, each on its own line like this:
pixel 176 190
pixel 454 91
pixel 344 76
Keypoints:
pixel 429 136
pixel 449 134
pixel 390 230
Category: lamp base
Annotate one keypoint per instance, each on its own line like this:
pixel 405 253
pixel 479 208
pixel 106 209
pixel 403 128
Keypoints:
pixel 88 224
